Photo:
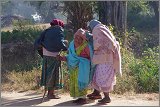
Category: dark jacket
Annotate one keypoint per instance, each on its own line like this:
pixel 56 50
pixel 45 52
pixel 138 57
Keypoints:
pixel 51 39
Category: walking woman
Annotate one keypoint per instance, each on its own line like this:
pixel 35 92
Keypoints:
pixel 107 59
pixel 49 44
pixel 79 64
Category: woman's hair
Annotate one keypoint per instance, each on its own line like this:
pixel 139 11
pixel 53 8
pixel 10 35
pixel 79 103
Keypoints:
pixel 57 22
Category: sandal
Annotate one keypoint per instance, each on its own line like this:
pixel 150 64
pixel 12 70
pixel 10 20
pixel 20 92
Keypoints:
pixel 82 101
pixel 75 101
pixel 92 94
pixel 105 100
pixel 95 97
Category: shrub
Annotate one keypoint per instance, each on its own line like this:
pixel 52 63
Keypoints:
pixel 146 71
pixel 17 47
pixel 28 34
pixel 127 82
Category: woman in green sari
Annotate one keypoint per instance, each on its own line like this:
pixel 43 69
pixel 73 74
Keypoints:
pixel 79 64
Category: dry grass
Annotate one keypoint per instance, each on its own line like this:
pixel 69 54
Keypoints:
pixel 20 82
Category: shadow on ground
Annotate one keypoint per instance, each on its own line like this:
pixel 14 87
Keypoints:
pixel 70 103
pixel 67 103
pixel 24 101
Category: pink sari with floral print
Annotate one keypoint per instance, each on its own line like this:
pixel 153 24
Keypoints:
pixel 107 57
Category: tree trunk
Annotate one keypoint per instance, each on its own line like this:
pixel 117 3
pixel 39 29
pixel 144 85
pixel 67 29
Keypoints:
pixel 125 24
pixel 114 13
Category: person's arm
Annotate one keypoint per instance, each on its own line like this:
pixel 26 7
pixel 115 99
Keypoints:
pixel 96 44
pixel 38 43
pixel 64 43
pixel 96 38
pixel 63 58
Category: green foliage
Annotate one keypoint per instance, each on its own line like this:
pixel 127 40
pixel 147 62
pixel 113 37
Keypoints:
pixel 22 38
pixel 138 7
pixel 22 31
pixel 140 15
pixel 5 36
pixel 138 75
pixel 120 36
pixel 139 67
pixel 140 42
pixel 146 71
pixel 127 82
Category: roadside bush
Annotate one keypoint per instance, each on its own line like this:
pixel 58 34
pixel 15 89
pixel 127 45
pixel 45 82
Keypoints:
pixel 17 47
pixel 27 34
pixel 145 71
pixel 127 82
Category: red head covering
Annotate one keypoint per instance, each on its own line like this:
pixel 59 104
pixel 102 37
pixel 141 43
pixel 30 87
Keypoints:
pixel 57 22
pixel 61 23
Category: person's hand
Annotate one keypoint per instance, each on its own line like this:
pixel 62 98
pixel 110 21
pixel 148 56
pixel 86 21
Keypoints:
pixel 61 58
pixel 58 57
pixel 87 31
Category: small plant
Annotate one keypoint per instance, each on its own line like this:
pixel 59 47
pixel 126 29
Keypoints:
pixel 146 71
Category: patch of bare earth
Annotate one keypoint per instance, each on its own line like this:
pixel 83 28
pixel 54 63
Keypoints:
pixel 32 98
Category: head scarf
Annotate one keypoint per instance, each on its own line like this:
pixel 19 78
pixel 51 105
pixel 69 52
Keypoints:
pixel 57 22
pixel 61 23
pixel 93 23
pixel 81 32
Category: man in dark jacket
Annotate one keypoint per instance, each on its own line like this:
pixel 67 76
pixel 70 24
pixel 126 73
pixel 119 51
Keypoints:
pixel 49 45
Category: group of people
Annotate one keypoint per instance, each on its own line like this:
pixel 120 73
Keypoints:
pixel 93 60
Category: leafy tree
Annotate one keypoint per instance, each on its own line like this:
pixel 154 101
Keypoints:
pixel 78 13
pixel 142 15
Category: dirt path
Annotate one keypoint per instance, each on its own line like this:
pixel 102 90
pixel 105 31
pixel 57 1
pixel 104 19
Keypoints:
pixel 31 98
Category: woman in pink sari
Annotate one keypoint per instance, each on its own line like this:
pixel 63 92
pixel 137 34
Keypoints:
pixel 107 59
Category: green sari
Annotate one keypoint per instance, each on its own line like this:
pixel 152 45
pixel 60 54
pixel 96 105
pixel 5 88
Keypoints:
pixel 74 90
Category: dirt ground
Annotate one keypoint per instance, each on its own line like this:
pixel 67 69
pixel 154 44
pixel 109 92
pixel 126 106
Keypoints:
pixel 32 98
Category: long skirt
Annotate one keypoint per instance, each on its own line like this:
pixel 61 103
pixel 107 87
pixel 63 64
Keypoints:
pixel 104 78
pixel 51 74
pixel 73 84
